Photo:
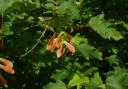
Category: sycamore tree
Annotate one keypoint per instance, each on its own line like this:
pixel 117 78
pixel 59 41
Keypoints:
pixel 64 44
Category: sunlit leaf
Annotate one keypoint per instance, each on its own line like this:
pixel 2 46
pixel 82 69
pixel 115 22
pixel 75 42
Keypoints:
pixel 102 27
pixel 4 4
pixel 57 85
pixel 78 81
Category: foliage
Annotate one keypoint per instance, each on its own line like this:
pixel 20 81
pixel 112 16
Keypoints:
pixel 91 50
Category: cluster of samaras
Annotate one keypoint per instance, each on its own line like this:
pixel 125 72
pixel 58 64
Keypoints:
pixel 7 66
pixel 61 43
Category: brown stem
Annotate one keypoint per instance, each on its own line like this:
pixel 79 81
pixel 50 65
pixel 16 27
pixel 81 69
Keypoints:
pixel 36 44
pixel 2 26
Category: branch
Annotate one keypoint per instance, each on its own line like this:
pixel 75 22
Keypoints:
pixel 2 27
pixel 36 44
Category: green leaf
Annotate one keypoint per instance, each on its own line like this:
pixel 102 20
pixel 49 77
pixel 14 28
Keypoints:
pixel 59 22
pixel 57 85
pixel 4 4
pixel 88 51
pixel 102 27
pixel 118 79
pixel 49 6
pixel 113 59
pixel 60 74
pixel 96 79
pixel 125 25
pixel 77 39
pixel 69 7
pixel 21 5
pixel 96 82
pixel 78 80
pixel 7 30
pixel 30 18
pixel 37 2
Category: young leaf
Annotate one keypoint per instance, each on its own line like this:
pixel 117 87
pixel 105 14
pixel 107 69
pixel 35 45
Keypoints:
pixel 78 81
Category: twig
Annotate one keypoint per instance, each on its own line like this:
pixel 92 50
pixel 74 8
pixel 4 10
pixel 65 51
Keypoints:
pixel 2 26
pixel 39 39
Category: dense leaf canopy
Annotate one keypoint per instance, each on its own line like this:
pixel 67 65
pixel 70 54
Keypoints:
pixel 64 44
